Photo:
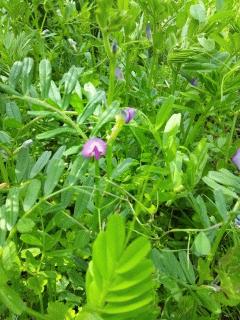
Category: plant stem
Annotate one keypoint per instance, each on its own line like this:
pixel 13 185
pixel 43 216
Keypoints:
pixel 221 233
pixel 47 106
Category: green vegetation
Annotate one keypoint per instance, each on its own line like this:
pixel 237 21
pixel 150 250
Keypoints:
pixel 119 160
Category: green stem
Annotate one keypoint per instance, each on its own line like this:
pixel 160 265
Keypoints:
pixel 28 213
pixel 35 314
pixel 41 303
pixel 109 160
pixel 221 233
pixel 111 80
pixel 47 106
pixel 231 137
pixel 112 66
pixel 97 178
pixel 3 170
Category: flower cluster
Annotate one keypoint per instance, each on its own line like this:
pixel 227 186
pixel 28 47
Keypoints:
pixel 96 147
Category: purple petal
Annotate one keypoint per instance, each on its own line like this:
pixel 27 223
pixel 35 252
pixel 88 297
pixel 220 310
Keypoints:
pixel 97 154
pixel 236 159
pixel 148 31
pixel 119 74
pixel 94 147
pixel 129 114
pixel 194 82
pixel 114 47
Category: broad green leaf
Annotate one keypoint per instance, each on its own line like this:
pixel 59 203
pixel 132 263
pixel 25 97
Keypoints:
pixel 40 164
pixel 31 194
pixel 3 226
pixel 119 278
pixel 27 72
pixel 122 167
pixel 25 225
pixel 207 44
pixel 45 73
pixel 11 299
pixel 54 172
pixel 164 112
pixel 10 259
pixel 5 138
pixel 135 252
pixel 209 299
pixel 105 117
pixel 22 164
pixel 83 198
pixel 198 12
pixel 70 81
pixel 52 133
pixel 187 267
pixel 202 245
pixel 13 111
pixel 221 204
pixel 85 315
pixel 12 208
pixel 91 106
pixel 58 311
pixel 54 94
pixel 15 74
pixel 37 283
pixel 31 239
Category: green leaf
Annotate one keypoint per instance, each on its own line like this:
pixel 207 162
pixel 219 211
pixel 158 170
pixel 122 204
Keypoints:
pixel 83 198
pixel 12 208
pixel 31 194
pixel 5 138
pixel 70 81
pixel 37 283
pixel 187 267
pixel 221 204
pixel 54 172
pixel 22 164
pixel 54 94
pixel 85 315
pixel 15 74
pixel 119 281
pixel 13 111
pixel 45 73
pixel 202 245
pixel 135 252
pixel 40 164
pixel 52 133
pixel 11 299
pixel 10 259
pixel 91 106
pixel 57 310
pixel 164 112
pixel 31 239
pixel 27 72
pixel 198 12
pixel 123 167
pixel 25 225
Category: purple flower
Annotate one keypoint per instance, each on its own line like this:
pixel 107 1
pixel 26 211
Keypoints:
pixel 148 31
pixel 114 47
pixel 119 74
pixel 94 147
pixel 237 221
pixel 128 114
pixel 236 159
pixel 194 82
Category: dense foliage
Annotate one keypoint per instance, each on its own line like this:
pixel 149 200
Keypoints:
pixel 119 197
